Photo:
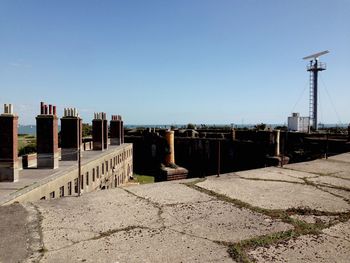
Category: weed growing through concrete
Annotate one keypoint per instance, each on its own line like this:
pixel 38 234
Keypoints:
pixel 238 250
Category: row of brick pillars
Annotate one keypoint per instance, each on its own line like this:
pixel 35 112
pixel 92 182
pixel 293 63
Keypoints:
pixel 47 137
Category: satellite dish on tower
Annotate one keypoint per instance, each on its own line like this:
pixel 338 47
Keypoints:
pixel 315 56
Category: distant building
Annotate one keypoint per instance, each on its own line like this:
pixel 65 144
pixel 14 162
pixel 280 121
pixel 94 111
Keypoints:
pixel 297 123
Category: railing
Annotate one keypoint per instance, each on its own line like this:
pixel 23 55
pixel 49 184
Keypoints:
pixel 320 66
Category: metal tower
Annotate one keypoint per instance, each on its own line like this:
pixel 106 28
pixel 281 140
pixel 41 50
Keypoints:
pixel 314 67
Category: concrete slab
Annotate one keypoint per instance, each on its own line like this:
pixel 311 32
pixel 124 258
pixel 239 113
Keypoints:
pixel 274 174
pixel 331 246
pixel 332 181
pixel 70 220
pixel 321 167
pixel 274 195
pixel 168 193
pixel 142 245
pixel 341 193
pixel 345 157
pixel 218 220
pixel 14 233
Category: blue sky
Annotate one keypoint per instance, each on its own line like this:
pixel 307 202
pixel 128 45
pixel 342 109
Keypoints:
pixel 174 62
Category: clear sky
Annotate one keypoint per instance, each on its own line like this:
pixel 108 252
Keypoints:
pixel 174 62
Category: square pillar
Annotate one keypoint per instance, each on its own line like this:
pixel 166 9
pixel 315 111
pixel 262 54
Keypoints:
pixel 47 138
pixel 71 135
pixel 8 145
pixel 105 133
pixel 98 132
pixel 115 129
pixel 122 130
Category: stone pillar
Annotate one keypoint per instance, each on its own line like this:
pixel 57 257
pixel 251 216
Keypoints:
pixel 97 132
pixel 277 134
pixel 71 134
pixel 8 145
pixel 115 128
pixel 170 157
pixel 47 137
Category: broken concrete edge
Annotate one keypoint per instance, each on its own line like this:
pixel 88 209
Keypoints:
pixel 238 250
pixel 35 244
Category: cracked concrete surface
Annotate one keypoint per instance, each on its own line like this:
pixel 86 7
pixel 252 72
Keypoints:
pixel 274 195
pixel 174 222
pixel 333 245
pixel 221 221
pixel 275 174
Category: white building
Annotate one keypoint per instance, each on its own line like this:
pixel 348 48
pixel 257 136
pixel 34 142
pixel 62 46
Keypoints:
pixel 297 123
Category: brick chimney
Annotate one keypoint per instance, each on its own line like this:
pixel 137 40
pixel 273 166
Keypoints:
pixel 98 133
pixel 116 130
pixel 8 145
pixel 47 137
pixel 105 131
pixel 121 129
pixel 71 134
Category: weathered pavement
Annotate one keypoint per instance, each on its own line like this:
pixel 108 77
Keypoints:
pixel 296 214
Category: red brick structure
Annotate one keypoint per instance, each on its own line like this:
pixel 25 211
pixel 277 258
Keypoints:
pixel 105 132
pixel 116 130
pixel 71 135
pixel 98 132
pixel 122 129
pixel 8 145
pixel 47 137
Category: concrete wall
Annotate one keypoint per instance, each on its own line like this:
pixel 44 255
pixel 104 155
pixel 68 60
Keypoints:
pixel 200 155
pixel 250 149
pixel 120 159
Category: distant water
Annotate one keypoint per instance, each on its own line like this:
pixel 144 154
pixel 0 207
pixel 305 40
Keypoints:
pixel 27 129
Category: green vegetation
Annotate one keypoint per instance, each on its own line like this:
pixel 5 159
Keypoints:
pixel 87 130
pixel 143 179
pixel 26 144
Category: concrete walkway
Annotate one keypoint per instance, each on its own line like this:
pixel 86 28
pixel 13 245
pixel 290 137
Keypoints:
pixel 296 214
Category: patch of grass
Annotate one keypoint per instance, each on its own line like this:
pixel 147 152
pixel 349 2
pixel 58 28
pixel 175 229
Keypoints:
pixel 143 179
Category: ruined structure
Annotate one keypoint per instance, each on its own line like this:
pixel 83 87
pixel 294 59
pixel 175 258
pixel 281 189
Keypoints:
pixel 240 149
pixel 171 171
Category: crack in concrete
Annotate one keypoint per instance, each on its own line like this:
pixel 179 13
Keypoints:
pixel 100 236
pixel 238 250
pixel 70 228
pixel 270 180
pixel 192 235
pixel 154 204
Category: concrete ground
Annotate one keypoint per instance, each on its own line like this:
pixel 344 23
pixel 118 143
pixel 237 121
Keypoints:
pixel 296 214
